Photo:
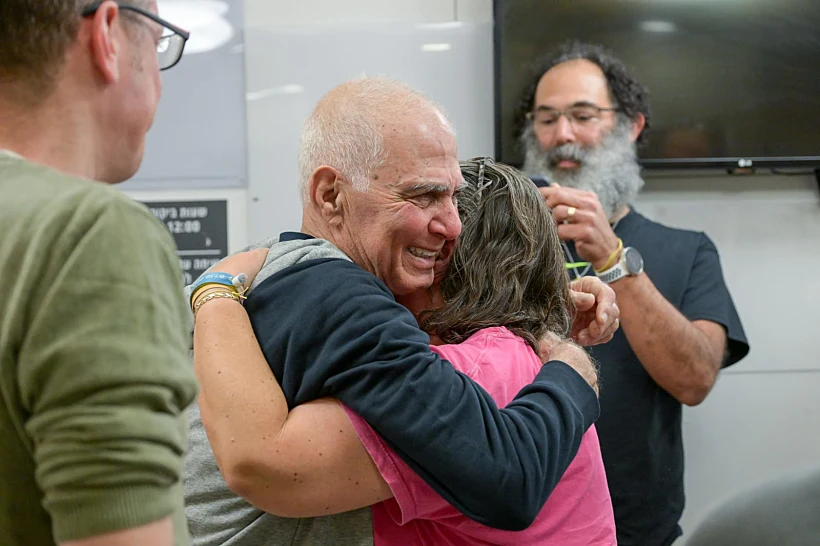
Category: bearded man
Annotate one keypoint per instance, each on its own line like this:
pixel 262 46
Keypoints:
pixel 580 122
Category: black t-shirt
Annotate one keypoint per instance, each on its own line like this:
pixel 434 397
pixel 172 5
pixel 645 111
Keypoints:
pixel 640 423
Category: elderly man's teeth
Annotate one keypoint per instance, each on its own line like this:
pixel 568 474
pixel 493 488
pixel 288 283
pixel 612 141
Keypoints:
pixel 422 253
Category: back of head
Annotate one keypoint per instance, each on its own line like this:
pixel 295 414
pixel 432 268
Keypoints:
pixel 84 77
pixel 627 93
pixel 35 37
pixel 36 34
pixel 508 266
pixel 347 128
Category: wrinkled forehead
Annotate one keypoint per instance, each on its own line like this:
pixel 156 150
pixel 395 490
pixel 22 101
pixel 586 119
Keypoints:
pixel 424 153
pixel 441 179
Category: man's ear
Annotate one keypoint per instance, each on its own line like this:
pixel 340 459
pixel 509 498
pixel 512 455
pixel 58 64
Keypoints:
pixel 325 193
pixel 637 126
pixel 105 40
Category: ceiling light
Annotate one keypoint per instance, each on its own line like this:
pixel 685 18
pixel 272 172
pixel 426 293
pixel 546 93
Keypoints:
pixel 658 26
pixel 289 89
pixel 444 25
pixel 204 19
pixel 436 47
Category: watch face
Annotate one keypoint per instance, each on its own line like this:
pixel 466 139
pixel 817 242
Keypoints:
pixel 634 261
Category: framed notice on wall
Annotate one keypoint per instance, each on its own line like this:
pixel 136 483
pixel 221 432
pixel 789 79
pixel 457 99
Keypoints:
pixel 200 230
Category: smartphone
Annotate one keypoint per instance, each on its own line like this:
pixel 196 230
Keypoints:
pixel 540 181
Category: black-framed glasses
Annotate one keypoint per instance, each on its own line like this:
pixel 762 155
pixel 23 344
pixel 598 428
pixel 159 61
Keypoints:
pixel 581 116
pixel 170 45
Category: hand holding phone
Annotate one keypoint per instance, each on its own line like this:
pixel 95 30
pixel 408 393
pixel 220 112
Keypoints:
pixel 540 181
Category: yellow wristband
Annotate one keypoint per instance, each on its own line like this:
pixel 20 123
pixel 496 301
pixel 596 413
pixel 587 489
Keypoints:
pixel 206 289
pixel 206 286
pixel 612 257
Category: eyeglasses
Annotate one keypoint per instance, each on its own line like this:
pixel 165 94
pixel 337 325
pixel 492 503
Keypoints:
pixel 582 116
pixel 170 45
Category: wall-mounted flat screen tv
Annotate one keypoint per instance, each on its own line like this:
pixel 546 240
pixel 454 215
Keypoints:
pixel 732 82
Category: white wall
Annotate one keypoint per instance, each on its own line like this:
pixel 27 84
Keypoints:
pixel 269 13
pixel 762 418
pixel 297 51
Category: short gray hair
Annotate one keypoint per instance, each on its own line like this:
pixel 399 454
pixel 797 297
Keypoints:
pixel 345 129
pixel 36 35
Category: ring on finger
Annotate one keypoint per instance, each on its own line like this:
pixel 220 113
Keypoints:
pixel 571 212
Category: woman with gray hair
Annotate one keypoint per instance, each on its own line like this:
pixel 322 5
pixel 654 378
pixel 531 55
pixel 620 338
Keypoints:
pixel 504 287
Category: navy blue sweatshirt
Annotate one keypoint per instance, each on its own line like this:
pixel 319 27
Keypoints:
pixel 329 328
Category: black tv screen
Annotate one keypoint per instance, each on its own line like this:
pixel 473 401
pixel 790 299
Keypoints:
pixel 730 81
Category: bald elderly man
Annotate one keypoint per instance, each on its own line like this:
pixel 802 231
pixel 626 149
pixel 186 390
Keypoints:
pixel 379 172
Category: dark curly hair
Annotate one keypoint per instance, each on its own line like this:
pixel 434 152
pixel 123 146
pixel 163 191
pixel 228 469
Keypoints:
pixel 625 91
pixel 508 266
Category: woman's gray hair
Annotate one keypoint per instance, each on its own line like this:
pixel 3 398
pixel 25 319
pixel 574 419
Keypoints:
pixel 345 130
pixel 508 266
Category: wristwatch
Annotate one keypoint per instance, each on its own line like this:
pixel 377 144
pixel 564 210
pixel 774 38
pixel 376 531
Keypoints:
pixel 630 264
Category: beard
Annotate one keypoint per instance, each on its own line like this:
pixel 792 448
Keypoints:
pixel 610 169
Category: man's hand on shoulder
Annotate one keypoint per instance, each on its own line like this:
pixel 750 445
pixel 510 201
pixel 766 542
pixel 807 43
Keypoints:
pixel 597 316
pixel 552 347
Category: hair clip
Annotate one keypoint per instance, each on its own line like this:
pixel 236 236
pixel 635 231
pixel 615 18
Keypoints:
pixel 481 172
pixel 239 283
pixel 481 184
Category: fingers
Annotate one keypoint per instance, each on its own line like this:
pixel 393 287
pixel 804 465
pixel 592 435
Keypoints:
pixel 607 307
pixel 556 195
pixel 574 231
pixel 604 297
pixel 583 338
pixel 597 335
pixel 606 336
pixel 610 332
pixel 607 314
pixel 605 317
pixel 605 324
pixel 582 300
pixel 566 213
pixel 595 286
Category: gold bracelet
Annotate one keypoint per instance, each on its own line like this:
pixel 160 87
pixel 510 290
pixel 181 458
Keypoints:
pixel 201 291
pixel 215 295
pixel 612 257
pixel 209 287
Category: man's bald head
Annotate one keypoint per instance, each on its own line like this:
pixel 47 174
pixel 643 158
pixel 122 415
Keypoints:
pixel 355 125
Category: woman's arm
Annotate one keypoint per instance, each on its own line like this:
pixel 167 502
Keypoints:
pixel 352 340
pixel 303 464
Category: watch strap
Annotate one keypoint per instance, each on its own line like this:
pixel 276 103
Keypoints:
pixel 617 271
